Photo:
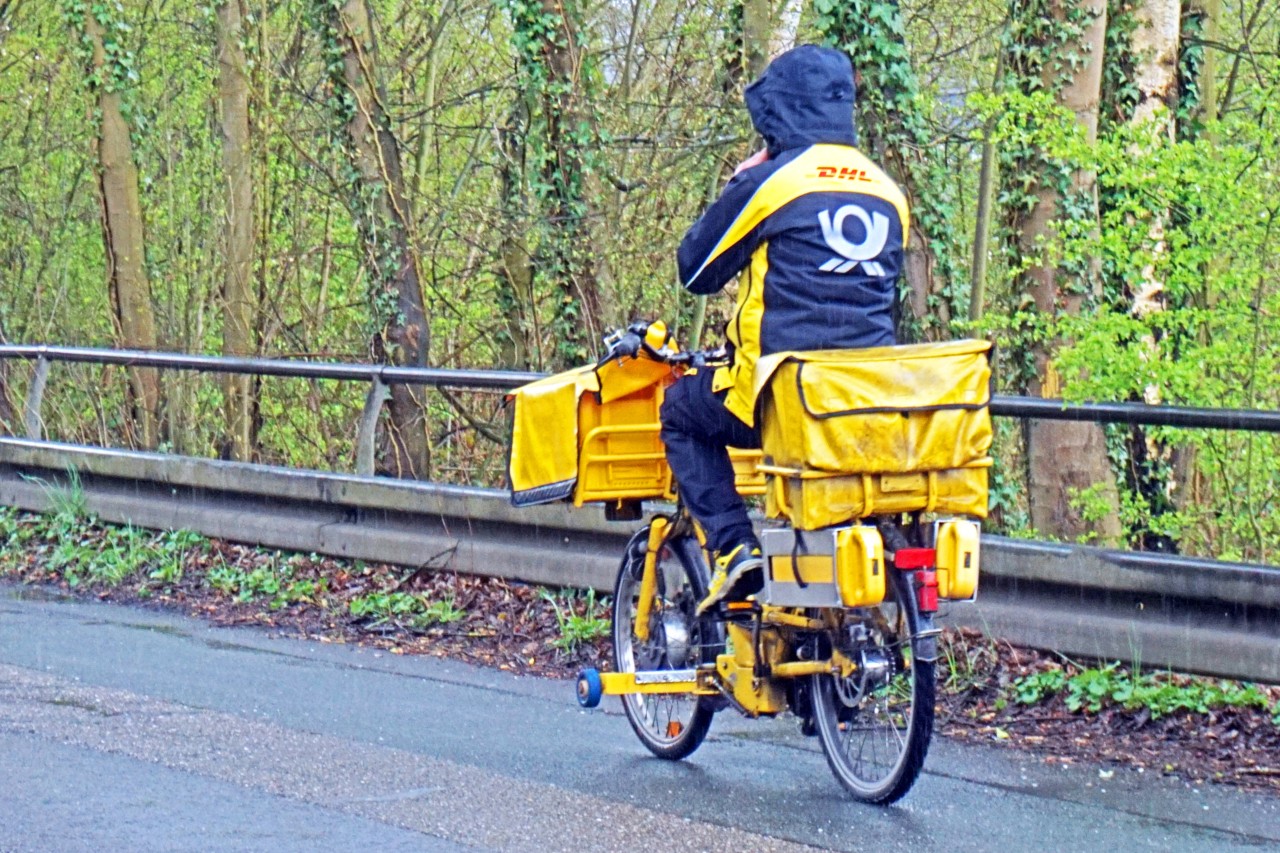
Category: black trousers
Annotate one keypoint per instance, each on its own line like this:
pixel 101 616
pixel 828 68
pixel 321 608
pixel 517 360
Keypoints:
pixel 698 430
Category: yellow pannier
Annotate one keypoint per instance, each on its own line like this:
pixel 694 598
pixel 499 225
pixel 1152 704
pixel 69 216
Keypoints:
pixel 850 433
pixel 621 456
pixel 812 500
pixel 592 434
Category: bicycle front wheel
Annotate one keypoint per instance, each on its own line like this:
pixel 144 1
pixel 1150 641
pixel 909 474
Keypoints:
pixel 875 725
pixel 671 726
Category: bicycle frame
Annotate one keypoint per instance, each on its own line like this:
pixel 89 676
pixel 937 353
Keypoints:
pixel 764 654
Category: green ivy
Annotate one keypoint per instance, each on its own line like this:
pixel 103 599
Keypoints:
pixel 366 198
pixel 561 155
pixel 1191 50
pixel 1092 689
pixel 118 73
pixel 1120 93
pixel 1042 149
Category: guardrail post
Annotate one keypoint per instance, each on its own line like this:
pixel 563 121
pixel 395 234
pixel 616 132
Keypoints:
pixel 35 397
pixel 365 434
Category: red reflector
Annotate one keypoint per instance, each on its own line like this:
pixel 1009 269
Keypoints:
pixel 927 591
pixel 914 558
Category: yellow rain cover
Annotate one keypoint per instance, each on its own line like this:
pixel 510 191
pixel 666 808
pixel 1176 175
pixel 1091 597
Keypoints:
pixel 544 436
pixel 852 433
pixel 921 407
pixel 605 447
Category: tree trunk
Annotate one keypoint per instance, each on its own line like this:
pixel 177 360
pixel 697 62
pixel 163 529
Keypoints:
pixel 581 318
pixel 8 416
pixel 987 179
pixel 787 32
pixel 759 28
pixel 1154 45
pixel 238 296
pixel 1209 13
pixel 1155 50
pixel 1200 87
pixel 122 229
pixel 515 296
pixel 1065 458
pixel 401 330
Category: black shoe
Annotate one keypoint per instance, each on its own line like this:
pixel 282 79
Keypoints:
pixel 738 574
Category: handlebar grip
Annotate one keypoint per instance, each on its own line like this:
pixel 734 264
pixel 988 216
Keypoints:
pixel 622 345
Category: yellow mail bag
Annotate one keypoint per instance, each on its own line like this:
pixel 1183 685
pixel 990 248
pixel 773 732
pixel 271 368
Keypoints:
pixel 850 433
pixel 593 434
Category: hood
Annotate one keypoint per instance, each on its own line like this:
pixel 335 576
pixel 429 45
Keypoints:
pixel 804 97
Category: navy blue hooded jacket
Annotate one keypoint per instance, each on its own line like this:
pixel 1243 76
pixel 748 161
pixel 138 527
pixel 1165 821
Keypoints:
pixel 817 231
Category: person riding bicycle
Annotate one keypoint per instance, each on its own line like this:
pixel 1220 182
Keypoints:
pixel 817 232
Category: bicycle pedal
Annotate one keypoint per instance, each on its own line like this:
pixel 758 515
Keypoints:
pixel 734 611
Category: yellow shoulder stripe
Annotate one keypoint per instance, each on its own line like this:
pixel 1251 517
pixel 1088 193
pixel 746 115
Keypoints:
pixel 823 168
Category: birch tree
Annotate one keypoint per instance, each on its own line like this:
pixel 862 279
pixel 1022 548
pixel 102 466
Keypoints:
pixel 1154 47
pixel 1155 51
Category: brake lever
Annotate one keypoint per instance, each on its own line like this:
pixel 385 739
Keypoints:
pixel 621 345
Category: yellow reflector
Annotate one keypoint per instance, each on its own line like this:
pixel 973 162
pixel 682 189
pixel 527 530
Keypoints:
pixel 860 566
pixel 957 558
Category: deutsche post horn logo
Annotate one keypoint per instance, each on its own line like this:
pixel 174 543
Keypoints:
pixel 876 226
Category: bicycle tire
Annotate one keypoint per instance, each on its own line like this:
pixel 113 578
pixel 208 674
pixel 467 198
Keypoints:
pixel 902 703
pixel 671 726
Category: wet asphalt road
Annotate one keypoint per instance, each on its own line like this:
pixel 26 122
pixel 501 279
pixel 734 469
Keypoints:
pixel 125 729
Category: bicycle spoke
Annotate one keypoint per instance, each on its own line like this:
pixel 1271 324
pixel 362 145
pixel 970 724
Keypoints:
pixel 670 725
pixel 875 726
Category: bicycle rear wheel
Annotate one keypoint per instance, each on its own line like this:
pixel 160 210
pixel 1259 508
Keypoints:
pixel 875 726
pixel 671 726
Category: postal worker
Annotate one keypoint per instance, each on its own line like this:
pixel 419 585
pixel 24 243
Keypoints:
pixel 815 233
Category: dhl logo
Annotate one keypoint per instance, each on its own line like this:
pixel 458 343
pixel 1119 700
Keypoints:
pixel 843 173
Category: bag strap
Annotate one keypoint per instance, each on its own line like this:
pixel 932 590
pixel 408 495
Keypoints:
pixel 796 548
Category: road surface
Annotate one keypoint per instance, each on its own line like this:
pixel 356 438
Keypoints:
pixel 127 729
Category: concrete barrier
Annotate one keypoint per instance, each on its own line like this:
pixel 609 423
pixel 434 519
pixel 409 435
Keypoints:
pixel 1155 610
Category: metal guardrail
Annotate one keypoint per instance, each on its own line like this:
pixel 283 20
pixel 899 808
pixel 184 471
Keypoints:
pixel 341 370
pixel 1162 611
pixel 378 375
pixel 1249 420
pixel 1192 615
pixel 1001 405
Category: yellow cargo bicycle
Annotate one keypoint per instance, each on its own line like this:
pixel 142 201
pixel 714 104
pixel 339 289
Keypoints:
pixel 874 470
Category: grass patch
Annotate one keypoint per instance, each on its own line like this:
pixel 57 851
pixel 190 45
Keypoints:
pixel 269 577
pixel 580 618
pixel 1093 689
pixel 413 609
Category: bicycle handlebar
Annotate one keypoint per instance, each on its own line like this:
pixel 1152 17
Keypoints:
pixel 634 340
